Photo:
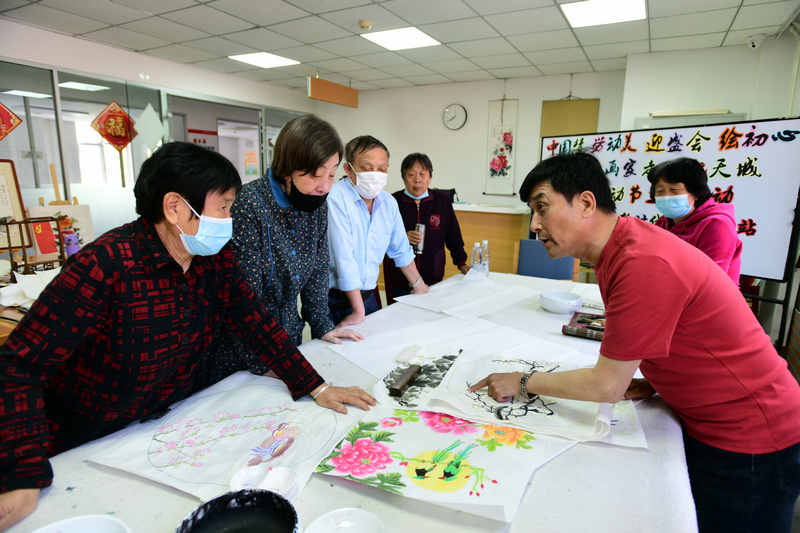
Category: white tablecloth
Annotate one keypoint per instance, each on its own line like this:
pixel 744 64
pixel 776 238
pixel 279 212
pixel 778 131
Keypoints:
pixel 592 487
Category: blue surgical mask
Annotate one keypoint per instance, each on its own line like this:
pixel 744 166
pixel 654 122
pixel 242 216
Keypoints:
pixel 420 197
pixel 673 206
pixel 212 234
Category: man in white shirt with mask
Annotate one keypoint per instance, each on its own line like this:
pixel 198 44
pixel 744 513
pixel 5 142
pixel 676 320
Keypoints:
pixel 364 223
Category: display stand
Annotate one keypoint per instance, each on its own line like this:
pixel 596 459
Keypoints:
pixel 20 261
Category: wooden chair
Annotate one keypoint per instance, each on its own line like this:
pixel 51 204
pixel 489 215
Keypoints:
pixel 532 260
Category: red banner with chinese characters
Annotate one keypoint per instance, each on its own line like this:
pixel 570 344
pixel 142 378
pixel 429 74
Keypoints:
pixel 115 126
pixel 8 121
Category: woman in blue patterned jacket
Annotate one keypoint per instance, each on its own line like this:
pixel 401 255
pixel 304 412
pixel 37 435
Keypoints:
pixel 280 224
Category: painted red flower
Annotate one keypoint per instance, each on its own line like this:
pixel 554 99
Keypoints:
pixel 362 458
pixel 391 422
pixel 442 423
pixel 508 138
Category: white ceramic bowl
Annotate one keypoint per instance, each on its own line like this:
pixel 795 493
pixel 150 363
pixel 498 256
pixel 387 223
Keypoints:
pixel 86 524
pixel 347 520
pixel 560 301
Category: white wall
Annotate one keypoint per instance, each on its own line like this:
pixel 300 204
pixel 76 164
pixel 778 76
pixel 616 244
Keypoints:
pixel 410 120
pixel 755 82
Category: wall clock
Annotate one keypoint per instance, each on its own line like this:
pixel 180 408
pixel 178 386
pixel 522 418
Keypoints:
pixel 454 116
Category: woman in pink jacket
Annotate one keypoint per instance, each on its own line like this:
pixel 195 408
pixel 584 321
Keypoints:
pixel 680 190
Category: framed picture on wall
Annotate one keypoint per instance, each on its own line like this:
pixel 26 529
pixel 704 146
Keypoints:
pixel 11 208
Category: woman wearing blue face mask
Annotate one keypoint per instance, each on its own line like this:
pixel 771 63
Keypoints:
pixel 680 190
pixel 421 205
pixel 280 224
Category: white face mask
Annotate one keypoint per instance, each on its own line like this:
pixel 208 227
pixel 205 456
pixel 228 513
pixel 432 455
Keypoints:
pixel 370 184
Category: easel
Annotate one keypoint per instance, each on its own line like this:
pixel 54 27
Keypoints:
pixel 27 264
pixel 58 200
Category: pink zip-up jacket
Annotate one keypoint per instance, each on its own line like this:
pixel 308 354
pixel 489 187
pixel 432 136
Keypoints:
pixel 712 229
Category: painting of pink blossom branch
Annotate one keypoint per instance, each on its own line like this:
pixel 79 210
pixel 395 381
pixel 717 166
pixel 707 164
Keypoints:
pixel 244 420
pixel 478 468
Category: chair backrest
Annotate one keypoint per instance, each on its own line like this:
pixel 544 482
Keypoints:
pixel 449 192
pixel 534 261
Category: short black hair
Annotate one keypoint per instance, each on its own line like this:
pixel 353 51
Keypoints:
pixel 684 170
pixel 416 157
pixel 304 144
pixel 362 144
pixel 184 168
pixel 571 174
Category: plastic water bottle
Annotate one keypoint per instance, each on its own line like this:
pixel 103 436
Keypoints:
pixel 484 258
pixel 476 258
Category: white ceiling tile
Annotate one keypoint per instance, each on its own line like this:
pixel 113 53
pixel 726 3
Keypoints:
pixel 350 46
pixel 102 10
pixel 362 86
pixel 392 83
pixel 430 79
pixel 12 4
pixel 563 55
pixel 490 7
pixel 297 70
pixel 221 47
pixel 311 29
pixel 261 12
pixel 774 14
pixel 262 39
pixel 566 68
pixel 610 64
pixel 528 21
pixel 125 39
pixel 180 53
pixel 505 60
pixel 741 37
pixel 367 74
pixel 208 20
pixel 419 12
pixel 515 72
pixel 383 59
pixel 165 29
pixel 546 40
pixel 60 21
pixel 156 7
pixel 612 51
pixel 692 23
pixel 459 30
pixel 471 75
pixel 404 71
pixel 454 65
pixel 338 65
pixel 429 53
pixel 382 19
pixel 293 83
pixel 483 47
pixel 305 53
pixel 224 65
pixel 680 7
pixel 689 42
pixel 326 6
pixel 337 78
pixel 613 33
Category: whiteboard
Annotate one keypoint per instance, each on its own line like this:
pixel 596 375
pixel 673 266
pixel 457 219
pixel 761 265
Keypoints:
pixel 753 165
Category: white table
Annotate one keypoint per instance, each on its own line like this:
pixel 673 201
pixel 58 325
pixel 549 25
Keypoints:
pixel 592 487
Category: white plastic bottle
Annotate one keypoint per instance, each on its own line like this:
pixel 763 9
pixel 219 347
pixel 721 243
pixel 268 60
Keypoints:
pixel 476 258
pixel 485 258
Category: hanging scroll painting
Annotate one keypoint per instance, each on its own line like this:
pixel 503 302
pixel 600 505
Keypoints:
pixel 500 161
